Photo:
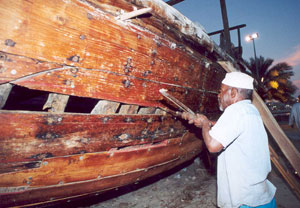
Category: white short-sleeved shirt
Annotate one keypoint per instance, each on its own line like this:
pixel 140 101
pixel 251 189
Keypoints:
pixel 244 164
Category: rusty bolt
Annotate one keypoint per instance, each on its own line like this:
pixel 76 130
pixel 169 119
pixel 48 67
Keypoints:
pixel 146 73
pixel 10 42
pixel 126 83
pixel 82 37
pixel 74 58
pixel 89 16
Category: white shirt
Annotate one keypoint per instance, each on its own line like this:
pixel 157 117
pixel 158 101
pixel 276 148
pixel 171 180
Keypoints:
pixel 244 164
pixel 295 115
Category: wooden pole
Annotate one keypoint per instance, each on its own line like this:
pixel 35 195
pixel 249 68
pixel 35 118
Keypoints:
pixel 135 13
pixel 226 26
pixel 173 2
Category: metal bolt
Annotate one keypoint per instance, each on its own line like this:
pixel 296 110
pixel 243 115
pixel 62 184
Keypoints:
pixel 10 42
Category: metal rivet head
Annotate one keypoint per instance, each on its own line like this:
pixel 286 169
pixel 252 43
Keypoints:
pixel 89 16
pixel 126 83
pixel 82 37
pixel 74 58
pixel 13 72
pixel 10 42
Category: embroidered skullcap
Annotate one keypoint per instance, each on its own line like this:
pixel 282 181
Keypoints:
pixel 238 80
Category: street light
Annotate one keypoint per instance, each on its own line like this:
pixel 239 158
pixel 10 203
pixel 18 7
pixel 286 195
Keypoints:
pixel 249 38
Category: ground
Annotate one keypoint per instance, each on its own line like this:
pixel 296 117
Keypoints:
pixel 189 186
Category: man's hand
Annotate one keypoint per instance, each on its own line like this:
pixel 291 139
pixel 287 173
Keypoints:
pixel 198 120
pixel 201 120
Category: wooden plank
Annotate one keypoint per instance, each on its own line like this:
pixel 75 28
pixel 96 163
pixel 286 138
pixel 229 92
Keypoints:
pixel 173 2
pixel 105 107
pixel 106 85
pixel 85 41
pixel 146 110
pixel 288 177
pixel 83 82
pixel 35 136
pixel 13 67
pixel 134 14
pixel 175 19
pixel 4 93
pixel 94 172
pixel 128 109
pixel 286 146
pixel 56 103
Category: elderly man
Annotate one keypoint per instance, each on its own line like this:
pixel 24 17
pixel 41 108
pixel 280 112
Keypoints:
pixel 240 137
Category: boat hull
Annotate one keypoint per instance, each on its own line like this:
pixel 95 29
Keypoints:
pixel 58 58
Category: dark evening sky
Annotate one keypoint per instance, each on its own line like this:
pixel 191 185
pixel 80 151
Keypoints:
pixel 276 21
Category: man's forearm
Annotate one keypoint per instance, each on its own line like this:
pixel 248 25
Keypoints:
pixel 211 144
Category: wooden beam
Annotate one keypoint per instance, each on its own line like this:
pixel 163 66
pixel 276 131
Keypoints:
pixel 231 28
pixel 135 13
pixel 105 107
pixel 226 26
pixel 4 92
pixel 56 103
pixel 173 2
pixel 288 177
pixel 128 109
pixel 150 110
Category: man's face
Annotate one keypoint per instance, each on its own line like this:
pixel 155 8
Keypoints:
pixel 224 97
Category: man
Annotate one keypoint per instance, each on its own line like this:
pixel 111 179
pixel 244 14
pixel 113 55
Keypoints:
pixel 240 137
pixel 295 115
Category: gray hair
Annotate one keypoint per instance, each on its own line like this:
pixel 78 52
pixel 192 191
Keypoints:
pixel 245 93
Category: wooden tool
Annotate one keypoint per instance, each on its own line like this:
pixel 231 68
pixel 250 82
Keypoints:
pixel 179 104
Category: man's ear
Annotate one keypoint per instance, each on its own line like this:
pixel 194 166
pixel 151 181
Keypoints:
pixel 234 92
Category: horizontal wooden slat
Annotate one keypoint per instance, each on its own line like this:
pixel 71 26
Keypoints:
pixel 89 38
pixel 35 136
pixel 97 171
pixel 103 84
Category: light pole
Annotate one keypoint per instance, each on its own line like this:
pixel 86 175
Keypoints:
pixel 249 38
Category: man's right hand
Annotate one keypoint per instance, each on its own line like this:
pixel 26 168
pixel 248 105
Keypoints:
pixel 188 116
pixel 198 120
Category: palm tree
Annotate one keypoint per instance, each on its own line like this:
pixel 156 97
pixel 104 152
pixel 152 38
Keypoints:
pixel 272 82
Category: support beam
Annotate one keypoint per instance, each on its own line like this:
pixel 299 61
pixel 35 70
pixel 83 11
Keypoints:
pixel 173 2
pixel 128 109
pixel 135 13
pixel 226 26
pixel 237 27
pixel 105 107
pixel 4 92
pixel 56 103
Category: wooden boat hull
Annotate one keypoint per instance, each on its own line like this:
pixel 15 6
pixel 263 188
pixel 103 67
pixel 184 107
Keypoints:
pixel 61 177
pixel 61 51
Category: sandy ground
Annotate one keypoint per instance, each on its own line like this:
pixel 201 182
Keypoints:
pixel 189 186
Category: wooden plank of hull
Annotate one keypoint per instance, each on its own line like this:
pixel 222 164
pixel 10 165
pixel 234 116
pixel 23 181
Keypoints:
pixel 101 42
pixel 13 67
pixel 35 136
pixel 107 85
pixel 60 178
pixel 103 84
pixel 165 19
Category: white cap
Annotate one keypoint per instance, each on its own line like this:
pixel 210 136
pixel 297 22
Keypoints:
pixel 238 80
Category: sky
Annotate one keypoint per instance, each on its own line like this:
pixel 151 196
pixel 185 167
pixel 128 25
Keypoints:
pixel 277 23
